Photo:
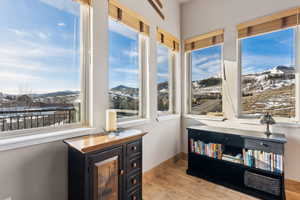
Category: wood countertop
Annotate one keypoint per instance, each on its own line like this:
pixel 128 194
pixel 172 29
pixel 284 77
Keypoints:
pixel 89 143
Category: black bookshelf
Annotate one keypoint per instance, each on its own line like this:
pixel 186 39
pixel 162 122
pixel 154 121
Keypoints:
pixel 263 183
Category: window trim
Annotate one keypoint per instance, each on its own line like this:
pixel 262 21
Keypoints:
pixel 293 120
pixel 188 77
pixel 85 62
pixel 143 49
pixel 172 55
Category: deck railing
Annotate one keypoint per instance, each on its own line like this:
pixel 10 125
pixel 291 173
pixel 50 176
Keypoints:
pixel 34 118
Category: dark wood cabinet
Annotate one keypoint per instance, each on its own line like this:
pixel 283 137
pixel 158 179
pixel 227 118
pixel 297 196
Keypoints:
pixel 105 168
pixel 259 180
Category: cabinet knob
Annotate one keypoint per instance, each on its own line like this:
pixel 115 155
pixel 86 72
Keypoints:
pixel 264 144
pixel 134 148
pixel 133 197
pixel 134 165
pixel 121 172
pixel 134 181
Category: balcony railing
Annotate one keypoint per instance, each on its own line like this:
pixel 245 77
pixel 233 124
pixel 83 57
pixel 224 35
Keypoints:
pixel 34 118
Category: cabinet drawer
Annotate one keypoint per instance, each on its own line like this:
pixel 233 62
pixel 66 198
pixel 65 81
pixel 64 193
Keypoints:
pixel 266 146
pixel 134 164
pixel 134 180
pixel 134 148
pixel 135 195
pixel 262 183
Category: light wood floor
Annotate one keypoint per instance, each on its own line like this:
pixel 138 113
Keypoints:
pixel 170 182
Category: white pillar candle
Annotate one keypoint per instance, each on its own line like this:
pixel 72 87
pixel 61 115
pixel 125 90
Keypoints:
pixel 111 120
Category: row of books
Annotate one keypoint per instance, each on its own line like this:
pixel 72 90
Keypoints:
pixel 211 150
pixel 263 160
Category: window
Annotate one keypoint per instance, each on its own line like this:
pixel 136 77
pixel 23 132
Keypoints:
pixel 124 71
pixel 268 74
pixel 164 79
pixel 39 63
pixel 206 81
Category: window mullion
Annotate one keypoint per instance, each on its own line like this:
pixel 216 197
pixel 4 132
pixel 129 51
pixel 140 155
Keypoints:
pixel 85 63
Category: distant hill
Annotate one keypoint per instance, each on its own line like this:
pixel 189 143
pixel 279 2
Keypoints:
pixel 59 93
pixel 162 86
pixel 125 90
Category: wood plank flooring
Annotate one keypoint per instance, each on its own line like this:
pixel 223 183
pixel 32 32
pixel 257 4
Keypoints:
pixel 170 182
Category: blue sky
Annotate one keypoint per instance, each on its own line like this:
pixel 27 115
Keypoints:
pixel 206 63
pixel 123 55
pixel 39 46
pixel 39 50
pixel 259 53
pixel 162 63
pixel 267 51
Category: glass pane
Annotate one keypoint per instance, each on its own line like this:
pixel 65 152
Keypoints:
pixel 39 63
pixel 206 88
pixel 124 80
pixel 268 74
pixel 163 78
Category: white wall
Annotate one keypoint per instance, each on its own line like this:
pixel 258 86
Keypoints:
pixel 202 16
pixel 40 172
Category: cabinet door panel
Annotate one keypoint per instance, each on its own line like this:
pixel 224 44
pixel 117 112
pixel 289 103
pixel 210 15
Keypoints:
pixel 106 179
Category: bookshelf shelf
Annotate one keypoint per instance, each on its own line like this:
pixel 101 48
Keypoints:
pixel 208 145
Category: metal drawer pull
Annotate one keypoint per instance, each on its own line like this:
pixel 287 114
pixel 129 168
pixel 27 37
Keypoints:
pixel 134 148
pixel 264 144
pixel 121 172
pixel 134 165
pixel 134 181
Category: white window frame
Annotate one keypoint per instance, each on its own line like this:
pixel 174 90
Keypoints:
pixel 188 81
pixel 85 62
pixel 171 82
pixel 296 119
pixel 143 46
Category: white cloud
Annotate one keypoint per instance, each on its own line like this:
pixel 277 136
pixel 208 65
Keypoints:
pixel 30 35
pixel 163 75
pixel 258 63
pixel 43 36
pixel 16 77
pixel 209 69
pixel 31 50
pixel 131 53
pixel 162 58
pixel 121 29
pixel 199 59
pixel 125 70
pixel 65 5
pixel 61 24
pixel 20 33
pixel 162 54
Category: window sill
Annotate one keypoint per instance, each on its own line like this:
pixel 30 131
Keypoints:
pixel 202 117
pixel 284 123
pixel 133 123
pixel 167 117
pixel 41 138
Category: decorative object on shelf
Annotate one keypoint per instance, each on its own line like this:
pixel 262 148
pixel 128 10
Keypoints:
pixel 111 120
pixel 267 119
pixel 157 5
